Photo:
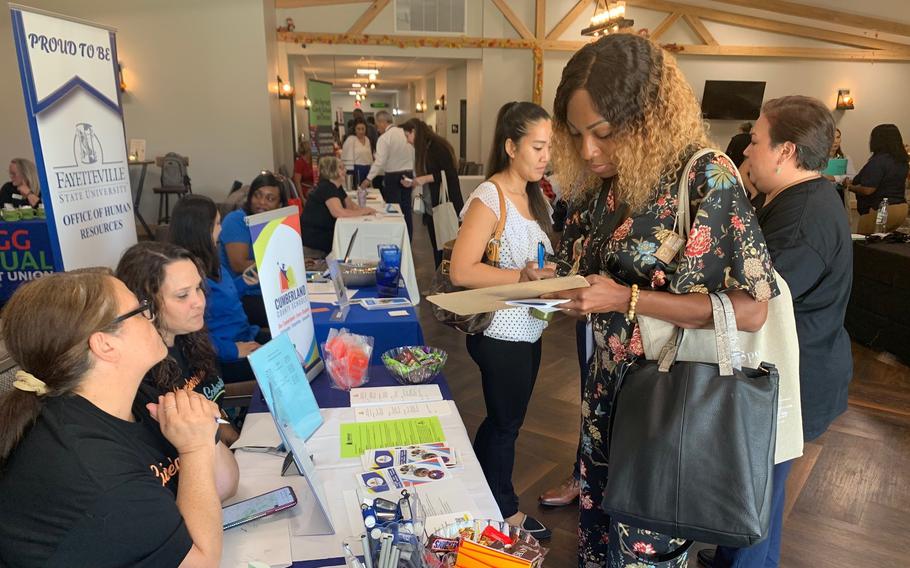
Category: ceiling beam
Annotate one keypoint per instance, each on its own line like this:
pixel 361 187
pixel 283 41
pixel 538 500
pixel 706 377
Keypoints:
pixel 311 3
pixel 700 30
pixel 367 17
pixel 773 26
pixel 833 54
pixel 513 18
pixel 568 19
pixel 824 14
pixel 404 41
pixel 540 19
pixel 665 25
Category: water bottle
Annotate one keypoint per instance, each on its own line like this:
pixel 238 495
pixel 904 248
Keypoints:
pixel 361 197
pixel 881 218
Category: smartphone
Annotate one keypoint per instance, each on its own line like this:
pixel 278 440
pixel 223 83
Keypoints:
pixel 258 507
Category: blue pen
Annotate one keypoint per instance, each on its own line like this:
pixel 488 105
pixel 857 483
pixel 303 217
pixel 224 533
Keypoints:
pixel 541 255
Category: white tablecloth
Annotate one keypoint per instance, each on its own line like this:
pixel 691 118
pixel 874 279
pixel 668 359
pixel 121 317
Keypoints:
pixel 384 228
pixel 265 540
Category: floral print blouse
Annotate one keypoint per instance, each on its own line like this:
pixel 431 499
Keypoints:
pixel 725 249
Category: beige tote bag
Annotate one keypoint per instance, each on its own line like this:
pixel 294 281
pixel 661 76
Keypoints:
pixel 776 342
pixel 445 220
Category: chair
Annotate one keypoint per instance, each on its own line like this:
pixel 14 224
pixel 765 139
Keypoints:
pixel 238 395
pixel 164 193
pixel 896 215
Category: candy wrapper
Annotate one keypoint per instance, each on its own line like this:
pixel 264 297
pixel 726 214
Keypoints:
pixel 347 358
pixel 414 364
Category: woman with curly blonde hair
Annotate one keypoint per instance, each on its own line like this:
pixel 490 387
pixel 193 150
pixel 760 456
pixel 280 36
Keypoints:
pixel 626 124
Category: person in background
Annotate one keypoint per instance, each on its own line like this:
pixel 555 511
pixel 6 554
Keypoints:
pixel 23 187
pixel 394 157
pixel 434 157
pixel 327 203
pixel 738 143
pixel 357 152
pixel 808 236
pixel 508 352
pixel 96 467
pixel 626 123
pixel 372 132
pixel 303 169
pixel 171 279
pixel 837 153
pixel 195 226
pixel 235 245
pixel 885 174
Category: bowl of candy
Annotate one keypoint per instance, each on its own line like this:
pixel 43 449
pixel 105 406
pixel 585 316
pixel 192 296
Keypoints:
pixel 414 364
pixel 486 543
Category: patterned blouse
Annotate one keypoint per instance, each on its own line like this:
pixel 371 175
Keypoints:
pixel 725 249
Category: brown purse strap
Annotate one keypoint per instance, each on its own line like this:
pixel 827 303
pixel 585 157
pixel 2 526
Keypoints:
pixel 501 225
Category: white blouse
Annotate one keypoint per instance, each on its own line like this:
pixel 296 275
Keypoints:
pixel 353 153
pixel 519 246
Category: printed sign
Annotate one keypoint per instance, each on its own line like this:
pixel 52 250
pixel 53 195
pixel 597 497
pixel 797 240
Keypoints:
pixel 69 80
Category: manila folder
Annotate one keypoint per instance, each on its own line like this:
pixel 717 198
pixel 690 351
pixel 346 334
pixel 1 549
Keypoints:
pixel 482 300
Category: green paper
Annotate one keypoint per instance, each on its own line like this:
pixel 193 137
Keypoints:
pixel 358 437
pixel 836 167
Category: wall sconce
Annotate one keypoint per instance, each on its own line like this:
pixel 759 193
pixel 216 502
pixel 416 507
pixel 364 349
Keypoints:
pixel 307 102
pixel 120 81
pixel 844 100
pixel 372 86
pixel 285 90
pixel 421 106
pixel 440 103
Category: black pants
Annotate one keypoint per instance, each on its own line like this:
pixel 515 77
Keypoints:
pixel 437 254
pixel 393 192
pixel 508 370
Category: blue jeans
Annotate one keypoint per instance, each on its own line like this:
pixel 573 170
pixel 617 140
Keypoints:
pixel 764 554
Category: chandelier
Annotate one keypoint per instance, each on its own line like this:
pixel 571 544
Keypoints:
pixel 608 17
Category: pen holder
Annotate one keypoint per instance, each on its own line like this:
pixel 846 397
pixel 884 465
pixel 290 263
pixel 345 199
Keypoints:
pixel 394 535
pixel 388 271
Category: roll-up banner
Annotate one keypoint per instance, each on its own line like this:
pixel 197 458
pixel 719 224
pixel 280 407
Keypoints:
pixel 69 76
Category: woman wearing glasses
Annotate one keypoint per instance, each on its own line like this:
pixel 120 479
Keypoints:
pixel 235 246
pixel 172 281
pixel 195 226
pixel 90 457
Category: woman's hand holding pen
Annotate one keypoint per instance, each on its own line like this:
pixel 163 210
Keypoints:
pixel 531 272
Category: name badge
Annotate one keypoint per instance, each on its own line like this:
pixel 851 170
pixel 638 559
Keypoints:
pixel 669 248
pixel 18 196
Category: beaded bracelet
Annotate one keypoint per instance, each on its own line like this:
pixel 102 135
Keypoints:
pixel 633 301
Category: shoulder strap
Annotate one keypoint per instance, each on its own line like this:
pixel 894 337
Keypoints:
pixel 683 223
pixel 495 241
pixel 443 187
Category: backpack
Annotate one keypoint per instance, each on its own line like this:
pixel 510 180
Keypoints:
pixel 173 171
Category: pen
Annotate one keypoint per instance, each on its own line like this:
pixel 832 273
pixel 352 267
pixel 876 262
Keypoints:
pixel 541 255
pixel 221 421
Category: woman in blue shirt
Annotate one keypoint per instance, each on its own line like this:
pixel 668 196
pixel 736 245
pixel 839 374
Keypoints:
pixel 195 226
pixel 235 246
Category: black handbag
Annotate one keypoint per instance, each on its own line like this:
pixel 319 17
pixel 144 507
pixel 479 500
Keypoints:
pixel 692 444
pixel 442 282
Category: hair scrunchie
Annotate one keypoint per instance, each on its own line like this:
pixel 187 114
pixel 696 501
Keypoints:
pixel 28 382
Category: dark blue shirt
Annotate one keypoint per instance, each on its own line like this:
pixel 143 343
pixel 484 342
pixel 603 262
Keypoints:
pixel 225 318
pixel 235 230
pixel 887 176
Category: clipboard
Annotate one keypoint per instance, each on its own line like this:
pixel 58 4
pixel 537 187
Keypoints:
pixel 494 298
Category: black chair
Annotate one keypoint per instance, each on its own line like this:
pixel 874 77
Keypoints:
pixel 165 193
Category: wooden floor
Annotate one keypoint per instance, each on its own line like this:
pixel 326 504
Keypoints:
pixel 848 497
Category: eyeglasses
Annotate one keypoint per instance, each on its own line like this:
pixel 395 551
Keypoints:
pixel 144 308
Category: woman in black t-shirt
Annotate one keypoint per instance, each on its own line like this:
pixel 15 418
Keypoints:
pixel 23 187
pixel 885 174
pixel 173 282
pixel 808 234
pixel 325 203
pixel 96 470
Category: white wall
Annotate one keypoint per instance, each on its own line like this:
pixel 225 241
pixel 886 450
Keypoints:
pixel 196 84
pixel 456 90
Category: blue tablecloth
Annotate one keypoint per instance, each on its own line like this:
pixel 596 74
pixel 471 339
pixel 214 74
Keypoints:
pixel 387 331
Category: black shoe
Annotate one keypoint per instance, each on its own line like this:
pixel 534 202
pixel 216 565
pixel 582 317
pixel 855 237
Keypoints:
pixel 706 557
pixel 536 529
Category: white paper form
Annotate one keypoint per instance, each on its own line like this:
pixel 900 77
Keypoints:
pixel 395 395
pixel 398 411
